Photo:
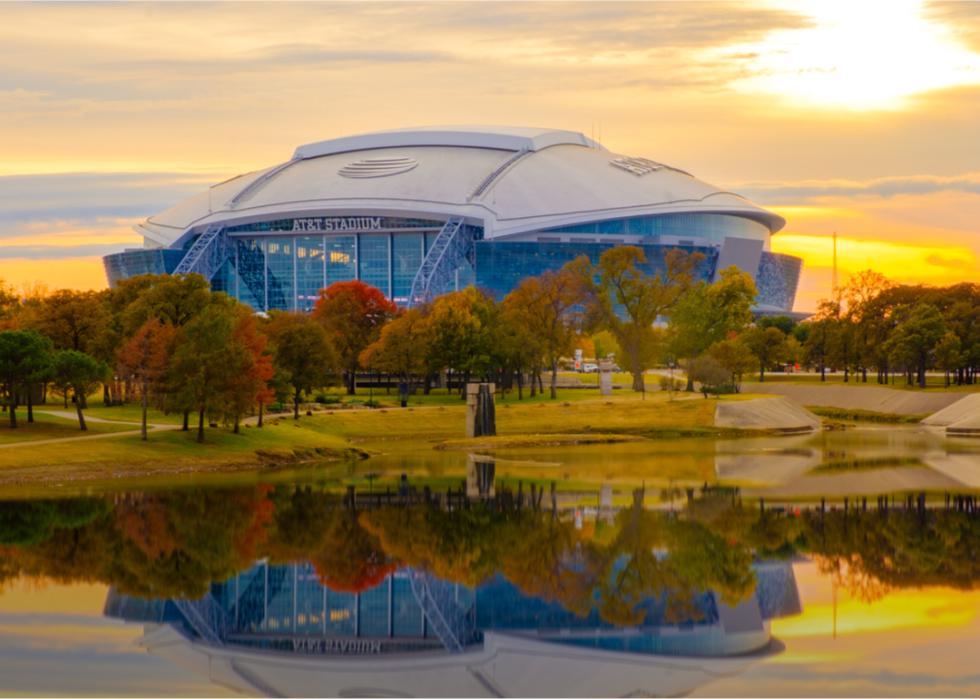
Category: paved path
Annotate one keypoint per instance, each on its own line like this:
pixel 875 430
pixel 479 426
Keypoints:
pixel 877 398
pixel 155 427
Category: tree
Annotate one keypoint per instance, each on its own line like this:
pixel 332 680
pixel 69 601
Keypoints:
pixel 735 357
pixel 23 355
pixel 768 345
pixel 303 355
pixel 205 360
pixel 72 319
pixel 145 358
pixel 402 348
pixel 254 369
pixel 548 307
pixel 708 313
pixel 949 354
pixel 352 313
pixel 627 301
pixel 79 372
pixel 462 326
pixel 173 299
pixel 707 371
pixel 916 337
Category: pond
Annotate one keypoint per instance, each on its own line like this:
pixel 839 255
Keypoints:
pixel 738 568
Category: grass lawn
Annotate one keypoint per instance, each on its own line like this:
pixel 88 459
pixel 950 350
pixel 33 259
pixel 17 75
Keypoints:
pixel 52 427
pixel 401 437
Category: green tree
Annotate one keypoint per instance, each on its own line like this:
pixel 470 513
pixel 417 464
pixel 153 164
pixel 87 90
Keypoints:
pixel 768 345
pixel 707 371
pixel 79 372
pixel 949 354
pixel 627 301
pixel 402 348
pixel 463 325
pixel 916 338
pixel 205 360
pixel 24 354
pixel 708 313
pixel 303 355
pixel 737 359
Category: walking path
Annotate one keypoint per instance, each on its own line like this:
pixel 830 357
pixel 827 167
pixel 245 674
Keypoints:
pixel 156 427
pixel 877 398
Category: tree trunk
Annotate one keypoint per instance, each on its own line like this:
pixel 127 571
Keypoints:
pixel 296 404
pixel 106 395
pixel 186 426
pixel 261 413
pixel 200 426
pixel 81 417
pixel 823 372
pixel 762 373
pixel 66 400
pixel 13 411
pixel 351 381
pixel 236 430
pixel 144 401
pixel 554 380
pixel 638 384
pixel 30 404
pixel 520 385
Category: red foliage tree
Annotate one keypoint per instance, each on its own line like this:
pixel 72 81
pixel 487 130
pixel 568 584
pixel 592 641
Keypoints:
pixel 352 314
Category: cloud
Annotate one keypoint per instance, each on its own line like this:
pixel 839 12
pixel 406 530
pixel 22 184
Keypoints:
pixel 86 198
pixel 805 190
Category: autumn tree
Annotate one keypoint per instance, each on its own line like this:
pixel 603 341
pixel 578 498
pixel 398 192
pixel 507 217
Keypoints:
pixel 627 300
pixel 248 385
pixel 353 314
pixel 549 308
pixel 303 355
pixel 79 372
pixel 145 358
pixel 402 348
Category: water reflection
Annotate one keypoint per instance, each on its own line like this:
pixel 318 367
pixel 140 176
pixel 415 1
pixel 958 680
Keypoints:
pixel 299 590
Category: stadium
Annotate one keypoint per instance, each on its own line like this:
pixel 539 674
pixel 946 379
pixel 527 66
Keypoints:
pixel 418 212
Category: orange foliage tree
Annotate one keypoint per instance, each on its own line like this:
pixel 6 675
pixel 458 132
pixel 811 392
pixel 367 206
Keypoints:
pixel 352 314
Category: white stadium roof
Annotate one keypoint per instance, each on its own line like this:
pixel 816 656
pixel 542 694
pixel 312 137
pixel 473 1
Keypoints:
pixel 509 179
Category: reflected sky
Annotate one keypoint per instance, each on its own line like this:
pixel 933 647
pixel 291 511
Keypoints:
pixel 908 643
pixel 55 641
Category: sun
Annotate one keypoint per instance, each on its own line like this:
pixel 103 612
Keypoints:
pixel 857 55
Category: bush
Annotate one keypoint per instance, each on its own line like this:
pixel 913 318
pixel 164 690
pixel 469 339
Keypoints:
pixel 326 399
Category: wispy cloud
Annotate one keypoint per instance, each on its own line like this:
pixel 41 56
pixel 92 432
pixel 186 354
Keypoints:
pixel 807 190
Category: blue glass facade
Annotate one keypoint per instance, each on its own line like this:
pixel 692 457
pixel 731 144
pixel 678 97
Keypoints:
pixel 712 227
pixel 282 264
pixel 500 266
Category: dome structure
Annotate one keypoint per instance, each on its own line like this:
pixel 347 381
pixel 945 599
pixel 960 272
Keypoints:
pixel 420 211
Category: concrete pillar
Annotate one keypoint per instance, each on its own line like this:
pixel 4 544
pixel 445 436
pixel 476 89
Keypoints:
pixel 605 377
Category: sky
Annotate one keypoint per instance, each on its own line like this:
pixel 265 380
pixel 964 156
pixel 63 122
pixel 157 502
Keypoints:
pixel 856 117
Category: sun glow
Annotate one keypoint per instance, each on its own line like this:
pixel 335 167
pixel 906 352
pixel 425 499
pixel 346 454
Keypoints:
pixel 858 56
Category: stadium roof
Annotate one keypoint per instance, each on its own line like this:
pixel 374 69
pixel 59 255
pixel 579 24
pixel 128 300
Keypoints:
pixel 511 180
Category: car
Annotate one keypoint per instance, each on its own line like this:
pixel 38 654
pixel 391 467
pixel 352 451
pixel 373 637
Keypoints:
pixel 590 368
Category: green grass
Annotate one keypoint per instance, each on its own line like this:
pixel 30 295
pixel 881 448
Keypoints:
pixel 858 415
pixel 51 427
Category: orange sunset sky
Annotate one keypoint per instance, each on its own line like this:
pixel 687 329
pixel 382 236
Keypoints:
pixel 856 117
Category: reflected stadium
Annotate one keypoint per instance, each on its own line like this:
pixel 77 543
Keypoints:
pixel 277 630
pixel 419 212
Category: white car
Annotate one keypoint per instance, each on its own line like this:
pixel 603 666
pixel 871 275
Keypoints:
pixel 590 368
